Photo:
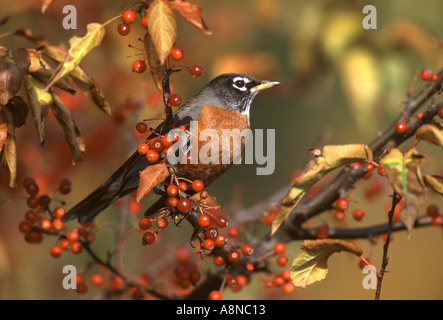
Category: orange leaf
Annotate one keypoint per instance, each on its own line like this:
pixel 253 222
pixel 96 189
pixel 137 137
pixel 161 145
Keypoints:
pixel 192 13
pixel 150 177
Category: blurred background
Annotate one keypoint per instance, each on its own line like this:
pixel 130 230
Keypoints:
pixel 340 82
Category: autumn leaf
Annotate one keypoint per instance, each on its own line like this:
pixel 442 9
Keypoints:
pixel 434 182
pixel 156 68
pixel 151 176
pixel 162 28
pixel 69 128
pixel 311 264
pixel 3 129
pixel 192 13
pixel 39 102
pixel 329 158
pixel 9 150
pixel 19 110
pixel 431 132
pixel 12 69
pixel 403 173
pixel 79 48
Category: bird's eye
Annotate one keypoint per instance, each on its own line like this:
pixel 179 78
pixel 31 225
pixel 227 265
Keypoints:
pixel 239 83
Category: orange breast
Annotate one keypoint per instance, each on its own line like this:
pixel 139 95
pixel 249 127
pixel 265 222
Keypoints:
pixel 216 119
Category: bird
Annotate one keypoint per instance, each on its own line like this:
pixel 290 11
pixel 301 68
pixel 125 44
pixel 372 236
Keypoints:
pixel 223 103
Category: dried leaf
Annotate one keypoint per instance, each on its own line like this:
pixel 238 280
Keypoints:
pixel 9 150
pixel 95 93
pixel 150 177
pixel 156 68
pixel 431 132
pixel 192 13
pixel 434 182
pixel 42 71
pixel 162 28
pixel 3 129
pixel 79 48
pixel 403 173
pixel 69 128
pixel 19 110
pixel 311 264
pixel 39 102
pixel 329 158
pixel 12 69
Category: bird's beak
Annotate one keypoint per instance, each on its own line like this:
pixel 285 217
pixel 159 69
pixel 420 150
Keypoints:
pixel 265 84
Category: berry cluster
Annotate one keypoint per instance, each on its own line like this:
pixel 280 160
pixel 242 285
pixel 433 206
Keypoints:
pixel 428 75
pixel 41 219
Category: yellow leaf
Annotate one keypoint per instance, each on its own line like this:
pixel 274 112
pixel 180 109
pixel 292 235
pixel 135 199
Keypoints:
pixel 431 132
pixel 434 182
pixel 329 158
pixel 311 264
pixel 162 28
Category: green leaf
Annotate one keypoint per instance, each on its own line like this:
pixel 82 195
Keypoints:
pixel 311 264
pixel 79 48
pixel 162 28
pixel 329 158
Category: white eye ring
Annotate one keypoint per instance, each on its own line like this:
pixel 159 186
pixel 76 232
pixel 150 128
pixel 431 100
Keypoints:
pixel 240 83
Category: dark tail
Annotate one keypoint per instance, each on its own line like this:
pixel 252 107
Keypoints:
pixel 124 181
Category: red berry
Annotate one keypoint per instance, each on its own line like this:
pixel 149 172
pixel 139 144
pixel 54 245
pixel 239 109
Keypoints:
pixel 278 281
pixel 162 223
pixel 57 224
pixel 32 202
pixel 46 224
pixel 143 148
pixel 64 186
pixel 194 276
pixel 247 250
pixel 141 127
pixel 144 223
pixel 436 221
pixel 434 77
pixel 233 255
pixel 73 235
pixel 432 211
pixel 152 156
pixel 97 280
pixel 288 287
pixel 56 251
pixel 400 127
pixel 221 240
pixel 175 100
pixel 32 188
pixel 215 295
pixel 211 232
pixel 139 66
pixel 44 201
pixel 279 248
pixel 176 54
pixel 219 261
pixel 204 220
pixel 233 232
pixel 182 186
pixel 208 244
pixel 322 232
pixel 204 195
pixel 197 185
pixel 76 247
pixel 128 16
pixel 59 212
pixel 282 261
pixel 171 202
pixel 342 204
pixel 33 237
pixel 144 22
pixel 123 29
pixel 24 227
pixel 222 222
pixel 167 141
pixel 184 205
pixel 148 237
pixel 440 112
pixel 339 215
pixel 426 74
pixel 172 190
pixel 358 214
pixel 196 71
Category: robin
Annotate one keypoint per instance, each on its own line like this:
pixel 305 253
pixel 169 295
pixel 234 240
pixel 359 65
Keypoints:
pixel 223 103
